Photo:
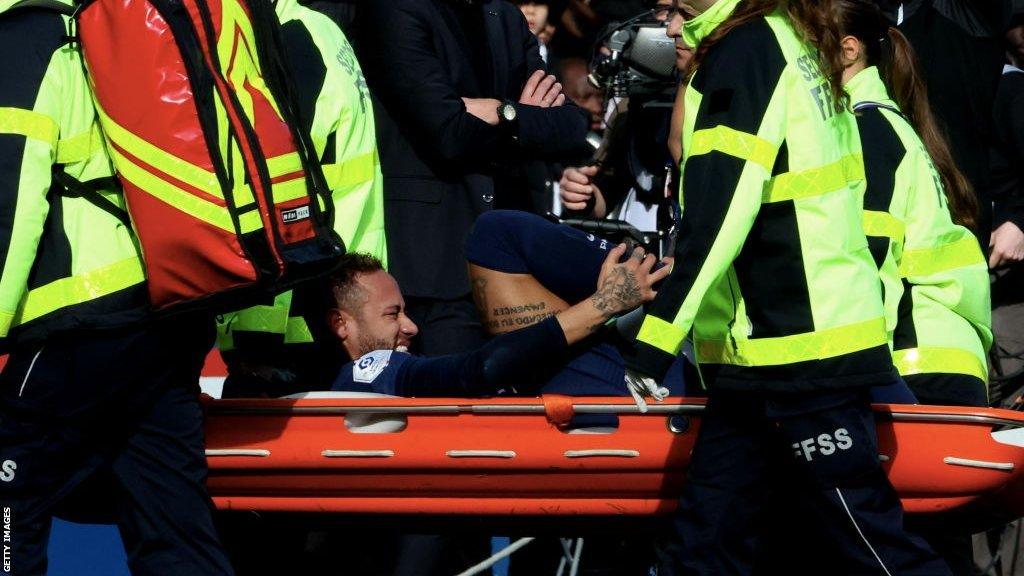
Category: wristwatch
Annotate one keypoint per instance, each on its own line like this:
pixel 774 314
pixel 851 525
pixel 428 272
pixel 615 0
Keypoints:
pixel 506 112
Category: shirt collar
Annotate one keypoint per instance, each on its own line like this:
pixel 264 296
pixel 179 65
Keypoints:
pixel 867 86
pixel 696 30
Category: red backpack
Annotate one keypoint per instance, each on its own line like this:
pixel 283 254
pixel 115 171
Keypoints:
pixel 222 184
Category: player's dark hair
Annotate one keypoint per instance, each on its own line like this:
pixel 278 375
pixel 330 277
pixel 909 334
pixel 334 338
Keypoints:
pixel 344 289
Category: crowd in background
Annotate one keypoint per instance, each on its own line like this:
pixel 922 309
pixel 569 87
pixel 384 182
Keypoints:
pixel 535 107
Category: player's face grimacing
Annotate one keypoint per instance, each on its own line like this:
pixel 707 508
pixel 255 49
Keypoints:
pixel 379 323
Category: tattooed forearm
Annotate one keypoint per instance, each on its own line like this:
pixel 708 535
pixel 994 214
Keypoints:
pixel 619 292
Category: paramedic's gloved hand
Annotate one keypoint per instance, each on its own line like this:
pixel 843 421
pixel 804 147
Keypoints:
pixel 641 386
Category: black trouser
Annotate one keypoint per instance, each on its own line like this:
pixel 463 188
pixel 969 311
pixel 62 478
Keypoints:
pixel 828 444
pixel 118 402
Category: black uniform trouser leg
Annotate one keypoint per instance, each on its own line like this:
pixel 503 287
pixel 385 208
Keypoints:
pixel 832 448
pixel 124 401
pixel 724 492
pixel 164 510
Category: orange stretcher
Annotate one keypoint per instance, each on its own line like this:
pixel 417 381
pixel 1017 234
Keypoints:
pixel 360 453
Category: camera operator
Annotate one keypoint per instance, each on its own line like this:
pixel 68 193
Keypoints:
pixel 631 179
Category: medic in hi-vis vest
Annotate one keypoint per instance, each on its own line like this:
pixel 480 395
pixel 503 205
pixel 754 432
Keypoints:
pixel 93 384
pixel 269 348
pixel 774 278
pixel 936 282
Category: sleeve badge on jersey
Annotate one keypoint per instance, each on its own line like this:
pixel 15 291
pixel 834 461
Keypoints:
pixel 367 368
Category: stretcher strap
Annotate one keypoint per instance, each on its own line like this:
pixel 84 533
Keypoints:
pixel 817 345
pixel 29 124
pixel 558 409
pixel 815 181
pixel 936 360
pixel 928 261
pixel 80 288
pixel 734 143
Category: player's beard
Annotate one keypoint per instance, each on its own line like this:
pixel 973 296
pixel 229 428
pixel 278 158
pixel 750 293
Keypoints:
pixel 369 344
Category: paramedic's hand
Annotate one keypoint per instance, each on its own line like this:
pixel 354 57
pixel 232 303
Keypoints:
pixel 577 190
pixel 622 286
pixel 641 386
pixel 542 90
pixel 1007 245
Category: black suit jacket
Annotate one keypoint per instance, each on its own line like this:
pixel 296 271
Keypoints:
pixel 439 162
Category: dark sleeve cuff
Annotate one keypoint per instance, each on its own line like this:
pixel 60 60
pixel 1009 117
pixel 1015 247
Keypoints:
pixel 517 359
pixel 1009 210
pixel 649 361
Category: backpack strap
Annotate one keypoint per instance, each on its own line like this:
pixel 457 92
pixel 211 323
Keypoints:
pixel 54 5
pixel 868 104
pixel 90 190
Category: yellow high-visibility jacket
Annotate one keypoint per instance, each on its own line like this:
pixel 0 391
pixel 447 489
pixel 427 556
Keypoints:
pixel 65 263
pixel 935 278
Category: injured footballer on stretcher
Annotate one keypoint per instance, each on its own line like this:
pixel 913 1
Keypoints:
pixel 563 350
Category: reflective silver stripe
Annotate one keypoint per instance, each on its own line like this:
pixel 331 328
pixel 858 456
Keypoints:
pixel 480 454
pixel 595 453
pixel 31 365
pixel 237 452
pixel 954 461
pixel 357 453
pixel 862 537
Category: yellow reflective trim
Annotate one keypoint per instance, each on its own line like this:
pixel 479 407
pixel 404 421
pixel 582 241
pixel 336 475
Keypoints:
pixel 250 221
pixel 289 190
pixel 927 261
pixel 826 343
pixel 815 181
pixel 29 124
pixel 663 335
pixel 6 318
pixel 265 319
pixel 935 360
pixel 352 172
pixel 159 158
pixel 734 143
pixel 81 288
pixel 297 332
pixel 883 224
pixel 172 195
pixel 284 164
pixel 79 148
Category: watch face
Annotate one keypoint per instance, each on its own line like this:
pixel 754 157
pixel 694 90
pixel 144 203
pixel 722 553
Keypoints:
pixel 508 112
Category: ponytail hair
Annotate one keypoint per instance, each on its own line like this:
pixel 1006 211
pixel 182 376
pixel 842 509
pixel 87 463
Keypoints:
pixel 813 20
pixel 902 76
pixel 887 48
